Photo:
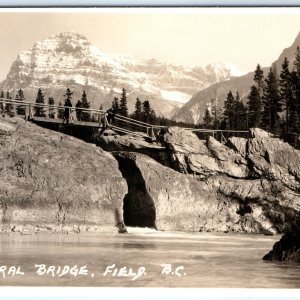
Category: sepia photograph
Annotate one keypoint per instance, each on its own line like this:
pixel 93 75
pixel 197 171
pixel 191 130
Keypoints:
pixel 150 147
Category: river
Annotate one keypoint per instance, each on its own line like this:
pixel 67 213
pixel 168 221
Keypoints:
pixel 157 259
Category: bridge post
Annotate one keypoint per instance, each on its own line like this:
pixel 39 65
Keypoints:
pixel 47 111
pixel 153 138
pixel 26 112
pixel 3 108
pixel 14 108
pixel 30 117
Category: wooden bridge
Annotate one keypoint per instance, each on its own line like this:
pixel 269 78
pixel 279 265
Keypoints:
pixel 94 118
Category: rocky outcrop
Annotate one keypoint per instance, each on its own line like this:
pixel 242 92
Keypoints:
pixel 261 156
pixel 50 181
pixel 287 249
pixel 162 198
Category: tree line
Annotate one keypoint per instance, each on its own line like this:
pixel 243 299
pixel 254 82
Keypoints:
pixel 273 103
pixel 143 111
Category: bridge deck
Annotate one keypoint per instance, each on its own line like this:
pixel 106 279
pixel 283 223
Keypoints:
pixel 60 121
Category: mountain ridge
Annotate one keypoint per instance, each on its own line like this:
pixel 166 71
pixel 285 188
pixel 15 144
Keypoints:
pixel 69 60
pixel 194 110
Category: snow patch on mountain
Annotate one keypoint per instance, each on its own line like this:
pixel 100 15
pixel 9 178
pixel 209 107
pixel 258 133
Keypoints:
pixel 69 60
pixel 175 96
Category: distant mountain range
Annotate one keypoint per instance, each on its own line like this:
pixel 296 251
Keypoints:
pixel 69 60
pixel 194 110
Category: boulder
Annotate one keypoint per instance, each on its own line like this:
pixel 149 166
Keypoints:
pixel 274 159
pixel 181 140
pixel 188 154
pixel 259 133
pixel 51 179
pixel 238 144
pixel 287 249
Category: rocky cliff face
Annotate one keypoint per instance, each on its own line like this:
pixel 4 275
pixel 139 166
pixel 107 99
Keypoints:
pixel 69 60
pixel 53 182
pixel 247 185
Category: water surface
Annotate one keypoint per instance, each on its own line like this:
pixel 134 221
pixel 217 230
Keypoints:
pixel 202 259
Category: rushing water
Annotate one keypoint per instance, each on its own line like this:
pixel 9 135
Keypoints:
pixel 203 260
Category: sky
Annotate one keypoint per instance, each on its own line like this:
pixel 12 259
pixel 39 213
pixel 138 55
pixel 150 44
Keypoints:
pixel 192 37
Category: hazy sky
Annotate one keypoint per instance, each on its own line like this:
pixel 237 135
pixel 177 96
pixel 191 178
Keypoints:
pixel 189 37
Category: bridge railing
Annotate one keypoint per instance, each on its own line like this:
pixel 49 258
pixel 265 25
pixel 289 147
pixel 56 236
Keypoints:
pixel 77 115
pixel 31 110
pixel 219 134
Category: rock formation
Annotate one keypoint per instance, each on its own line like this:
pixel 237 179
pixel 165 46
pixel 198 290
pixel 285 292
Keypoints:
pixel 50 181
pixel 287 249
pixel 247 185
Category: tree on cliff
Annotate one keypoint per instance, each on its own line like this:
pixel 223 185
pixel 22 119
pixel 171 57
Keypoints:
pixel 254 104
pixel 208 118
pixel 240 114
pixel 115 105
pixel 286 95
pixel 148 114
pixel 68 95
pixel 85 115
pixel 123 104
pixel 296 87
pixel 20 97
pixel 39 110
pixel 229 111
pixel 51 110
pixel 271 103
pixel 138 112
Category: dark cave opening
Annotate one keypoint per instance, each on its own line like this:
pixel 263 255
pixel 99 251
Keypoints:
pixel 138 206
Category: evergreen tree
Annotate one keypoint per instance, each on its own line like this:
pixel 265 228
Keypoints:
pixel 229 111
pixel 138 112
pixel 286 94
pixel 2 94
pixel 146 111
pixel 115 105
pixel 294 117
pixel 68 95
pixel 240 111
pixel 85 115
pixel 123 104
pixel 8 106
pixel 295 75
pixel 259 79
pixel 271 103
pixel 215 111
pixel 297 61
pixel 254 107
pixel 20 97
pixel 208 118
pixel 254 104
pixel 39 110
pixel 152 117
pixel 51 110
